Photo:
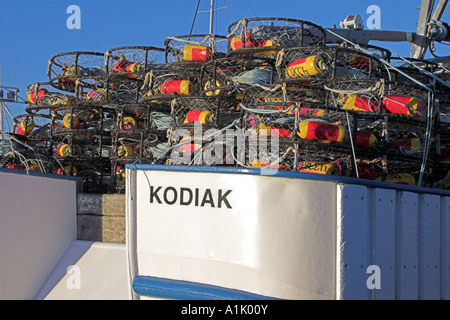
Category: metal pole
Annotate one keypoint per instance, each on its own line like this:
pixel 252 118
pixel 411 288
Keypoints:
pixel 420 48
pixel 211 17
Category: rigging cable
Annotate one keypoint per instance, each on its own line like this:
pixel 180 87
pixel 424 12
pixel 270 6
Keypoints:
pixel 195 17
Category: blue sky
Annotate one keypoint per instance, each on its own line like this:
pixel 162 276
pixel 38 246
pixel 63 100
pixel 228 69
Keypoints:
pixel 32 31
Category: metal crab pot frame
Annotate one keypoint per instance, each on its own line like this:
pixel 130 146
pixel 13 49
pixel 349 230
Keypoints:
pixel 252 34
pixel 170 82
pixel 65 68
pixel 34 127
pixel 226 75
pixel 317 66
pixel 43 96
pixel 104 90
pixel 133 62
pixel 205 111
pixel 194 49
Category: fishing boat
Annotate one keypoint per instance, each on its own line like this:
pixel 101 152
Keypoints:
pixel 283 160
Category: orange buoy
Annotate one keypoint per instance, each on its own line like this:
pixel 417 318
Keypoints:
pixel 182 87
pixel 193 52
pixel 64 150
pixel 67 170
pixel 403 105
pixel 318 167
pixel 365 139
pixel 361 62
pixel 366 172
pixel 360 103
pixel 306 67
pixel 408 145
pixel 204 117
pixel 266 44
pixel 236 42
pixel 266 130
pixel 315 130
pixel 26 126
pixel 15 166
pixel 189 147
pixel 41 94
pixel 70 121
pixel 135 69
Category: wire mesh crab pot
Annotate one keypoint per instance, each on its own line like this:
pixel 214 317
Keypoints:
pixel 43 96
pixel 64 69
pixel 316 66
pixel 271 119
pixel 222 76
pixel 267 35
pixel 133 62
pixel 172 81
pixel 103 91
pixel 79 120
pixel 407 100
pixel 194 49
pixel 284 93
pixel 188 112
pixel 411 68
pixel 33 127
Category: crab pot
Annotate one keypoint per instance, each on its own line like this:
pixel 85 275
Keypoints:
pixel 133 62
pixel 66 68
pixel 254 34
pixel 194 49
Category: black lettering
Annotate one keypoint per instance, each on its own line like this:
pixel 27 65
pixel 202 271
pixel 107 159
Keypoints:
pixel 208 198
pixel 154 194
pixel 182 192
pixel 196 197
pixel 175 196
pixel 223 198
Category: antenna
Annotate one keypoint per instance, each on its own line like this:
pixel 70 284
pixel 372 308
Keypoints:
pixel 211 12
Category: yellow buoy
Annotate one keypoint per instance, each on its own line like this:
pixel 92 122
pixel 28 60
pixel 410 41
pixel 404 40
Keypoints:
pixel 27 125
pixel 128 123
pixel 64 150
pixel 306 67
pixel 124 151
pixel 71 121
pixel 213 93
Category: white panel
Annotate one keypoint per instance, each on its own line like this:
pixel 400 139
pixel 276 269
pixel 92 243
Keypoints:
pixel 37 223
pixel 352 250
pixel 383 210
pixel 445 248
pixel 429 247
pixel 99 273
pixel 277 239
pixel 407 247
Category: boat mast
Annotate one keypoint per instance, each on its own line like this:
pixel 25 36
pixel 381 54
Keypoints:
pixel 211 17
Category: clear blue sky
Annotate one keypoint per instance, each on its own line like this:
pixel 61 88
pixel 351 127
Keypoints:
pixel 32 31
